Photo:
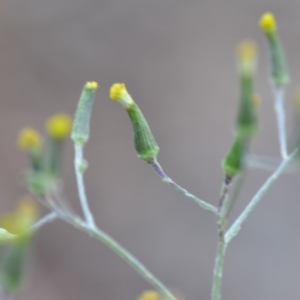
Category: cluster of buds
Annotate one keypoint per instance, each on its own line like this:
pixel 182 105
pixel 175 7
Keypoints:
pixel 45 161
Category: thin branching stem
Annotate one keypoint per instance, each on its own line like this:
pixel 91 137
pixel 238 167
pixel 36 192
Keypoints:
pixel 45 220
pixel 236 226
pixel 165 178
pixel 126 256
pixel 79 170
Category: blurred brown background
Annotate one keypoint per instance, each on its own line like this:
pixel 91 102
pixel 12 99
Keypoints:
pixel 177 58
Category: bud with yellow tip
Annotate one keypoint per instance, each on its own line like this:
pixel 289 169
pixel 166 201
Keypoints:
pixel 145 144
pixel 31 141
pixel 268 22
pixel 17 223
pixel 81 124
pixel 59 126
pixel 247 58
pixel 279 70
pixel 21 219
pixel 247 121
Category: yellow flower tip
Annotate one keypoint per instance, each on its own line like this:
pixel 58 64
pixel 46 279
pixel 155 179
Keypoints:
pixel 247 51
pixel 22 218
pixel 117 91
pixel 91 85
pixel 149 295
pixel 29 139
pixel 267 22
pixel 59 126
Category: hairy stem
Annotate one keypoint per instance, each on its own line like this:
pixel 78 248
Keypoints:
pixel 126 256
pixel 45 220
pixel 236 226
pixel 79 165
pixel 165 178
pixel 218 269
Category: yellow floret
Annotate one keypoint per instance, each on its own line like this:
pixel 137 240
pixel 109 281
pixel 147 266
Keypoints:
pixel 29 139
pixel 22 218
pixel 117 91
pixel 91 85
pixel 267 22
pixel 149 295
pixel 247 51
pixel 59 126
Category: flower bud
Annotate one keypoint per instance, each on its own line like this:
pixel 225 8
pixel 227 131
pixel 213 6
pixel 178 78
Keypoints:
pixel 20 220
pixel 247 119
pixel 58 128
pixel 81 125
pixel 268 22
pixel 17 223
pixel 279 71
pixel 247 58
pixel 145 144
pixel 31 141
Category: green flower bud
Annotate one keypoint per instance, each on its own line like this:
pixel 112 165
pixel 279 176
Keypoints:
pixel 81 124
pixel 247 120
pixel 279 71
pixel 234 160
pixel 145 144
pixel 12 268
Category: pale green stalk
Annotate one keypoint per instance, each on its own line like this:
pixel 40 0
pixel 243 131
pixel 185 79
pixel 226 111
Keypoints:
pixel 218 269
pixel 127 257
pixel 79 169
pixel 80 135
pixel 43 221
pixel 236 226
pixel 165 178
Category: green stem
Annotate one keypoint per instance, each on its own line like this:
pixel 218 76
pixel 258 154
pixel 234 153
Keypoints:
pixel 218 269
pixel 79 170
pixel 236 226
pixel 45 220
pixel 165 178
pixel 125 255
